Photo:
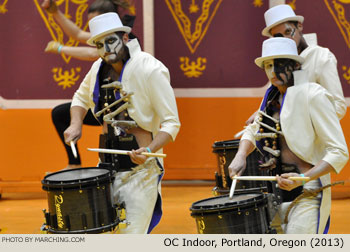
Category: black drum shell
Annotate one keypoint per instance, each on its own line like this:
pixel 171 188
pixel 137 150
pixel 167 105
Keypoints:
pixel 249 216
pixel 225 152
pixel 80 205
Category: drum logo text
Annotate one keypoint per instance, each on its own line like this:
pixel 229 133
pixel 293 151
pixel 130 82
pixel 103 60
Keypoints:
pixel 222 162
pixel 58 203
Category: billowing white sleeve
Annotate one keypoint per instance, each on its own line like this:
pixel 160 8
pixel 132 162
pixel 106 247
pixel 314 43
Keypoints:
pixel 329 79
pixel 163 100
pixel 328 129
pixel 81 96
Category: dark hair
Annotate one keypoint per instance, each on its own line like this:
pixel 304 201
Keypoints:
pixel 104 6
pixel 295 23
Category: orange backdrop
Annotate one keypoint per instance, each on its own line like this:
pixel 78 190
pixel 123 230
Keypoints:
pixel 30 146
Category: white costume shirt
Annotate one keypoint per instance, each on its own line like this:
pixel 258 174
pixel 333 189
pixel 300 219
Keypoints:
pixel 321 65
pixel 153 108
pixel 153 105
pixel 312 131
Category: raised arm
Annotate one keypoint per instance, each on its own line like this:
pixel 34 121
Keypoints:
pixel 69 27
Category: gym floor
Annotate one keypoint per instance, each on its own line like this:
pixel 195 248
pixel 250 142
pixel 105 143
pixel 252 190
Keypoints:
pixel 21 213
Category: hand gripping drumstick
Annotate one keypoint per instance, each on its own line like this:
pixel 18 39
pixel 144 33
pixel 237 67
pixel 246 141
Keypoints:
pixel 124 152
pixel 73 149
pixel 269 178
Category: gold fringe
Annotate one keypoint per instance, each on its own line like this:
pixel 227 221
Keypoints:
pixel 147 165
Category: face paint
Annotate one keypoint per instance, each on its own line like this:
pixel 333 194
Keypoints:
pixel 286 30
pixel 284 69
pixel 280 71
pixel 108 48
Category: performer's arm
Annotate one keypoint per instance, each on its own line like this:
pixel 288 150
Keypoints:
pixel 160 140
pixel 238 164
pixel 73 132
pixel 329 79
pixel 79 52
pixel 163 103
pixel 328 129
pixel 320 169
pixel 70 28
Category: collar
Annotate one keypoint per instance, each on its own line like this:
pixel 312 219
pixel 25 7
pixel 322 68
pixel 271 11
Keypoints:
pixel 134 47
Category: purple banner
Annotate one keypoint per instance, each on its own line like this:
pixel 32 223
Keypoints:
pixel 210 43
pixel 213 43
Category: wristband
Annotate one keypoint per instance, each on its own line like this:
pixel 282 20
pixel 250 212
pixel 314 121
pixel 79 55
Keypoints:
pixel 302 175
pixel 59 49
pixel 148 150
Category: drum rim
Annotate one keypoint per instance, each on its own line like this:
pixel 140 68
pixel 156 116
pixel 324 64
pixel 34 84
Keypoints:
pixel 86 231
pixel 260 198
pixel 224 146
pixel 76 183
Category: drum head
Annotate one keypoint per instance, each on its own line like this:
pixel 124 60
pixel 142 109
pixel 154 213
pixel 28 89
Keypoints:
pixel 223 203
pixel 76 174
pixel 76 178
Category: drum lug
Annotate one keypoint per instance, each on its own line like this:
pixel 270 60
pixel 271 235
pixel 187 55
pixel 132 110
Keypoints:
pixel 44 229
pixel 98 184
pixel 123 224
pixel 47 217
pixel 214 191
pixel 120 210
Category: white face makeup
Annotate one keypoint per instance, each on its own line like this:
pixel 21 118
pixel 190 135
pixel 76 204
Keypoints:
pixel 108 48
pixel 270 72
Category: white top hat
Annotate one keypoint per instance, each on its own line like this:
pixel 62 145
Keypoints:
pixel 277 15
pixel 104 24
pixel 276 48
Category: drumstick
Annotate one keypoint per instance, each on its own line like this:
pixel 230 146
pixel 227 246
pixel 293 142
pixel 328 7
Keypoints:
pixel 233 186
pixel 270 178
pixel 124 152
pixel 72 146
pixel 239 134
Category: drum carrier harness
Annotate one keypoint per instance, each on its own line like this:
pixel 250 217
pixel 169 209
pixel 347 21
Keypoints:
pixel 113 102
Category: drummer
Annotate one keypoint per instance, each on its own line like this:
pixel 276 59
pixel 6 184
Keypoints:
pixel 304 138
pixel 151 105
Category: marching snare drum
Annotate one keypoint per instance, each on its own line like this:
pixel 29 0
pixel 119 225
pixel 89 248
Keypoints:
pixel 243 214
pixel 80 201
pixel 225 152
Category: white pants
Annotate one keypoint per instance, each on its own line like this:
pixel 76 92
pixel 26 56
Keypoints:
pixel 303 217
pixel 138 189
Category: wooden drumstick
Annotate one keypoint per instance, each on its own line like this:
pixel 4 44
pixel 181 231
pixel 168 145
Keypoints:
pixel 233 186
pixel 271 178
pixel 239 134
pixel 74 150
pixel 124 152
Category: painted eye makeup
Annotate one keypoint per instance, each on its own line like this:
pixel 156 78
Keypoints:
pixel 292 33
pixel 111 40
